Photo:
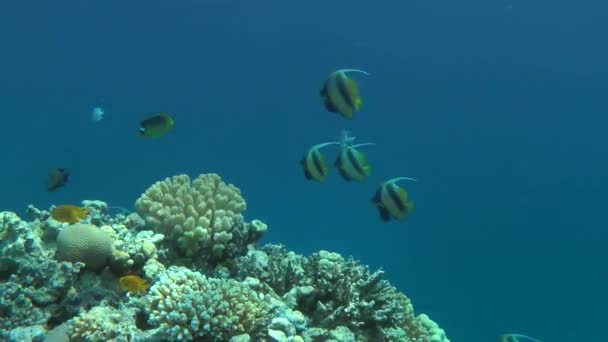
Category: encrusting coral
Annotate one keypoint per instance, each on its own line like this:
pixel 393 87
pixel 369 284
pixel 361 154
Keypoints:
pixel 202 217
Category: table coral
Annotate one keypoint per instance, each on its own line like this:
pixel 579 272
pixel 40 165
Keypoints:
pixel 202 217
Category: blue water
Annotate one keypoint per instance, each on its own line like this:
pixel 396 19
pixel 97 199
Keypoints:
pixel 497 107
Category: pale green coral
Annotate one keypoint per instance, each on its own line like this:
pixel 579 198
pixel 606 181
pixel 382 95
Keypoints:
pixel 186 305
pixel 198 215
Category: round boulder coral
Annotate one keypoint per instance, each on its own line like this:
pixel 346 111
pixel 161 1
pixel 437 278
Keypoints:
pixel 84 243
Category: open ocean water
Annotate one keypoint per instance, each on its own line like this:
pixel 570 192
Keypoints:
pixel 497 107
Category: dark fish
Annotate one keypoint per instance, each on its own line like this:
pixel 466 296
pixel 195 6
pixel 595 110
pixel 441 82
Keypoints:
pixel 315 164
pixel 56 179
pixel 156 126
pixel 391 200
pixel 340 93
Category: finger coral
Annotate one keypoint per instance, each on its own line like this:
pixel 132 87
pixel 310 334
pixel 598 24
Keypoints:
pixel 204 215
pixel 187 305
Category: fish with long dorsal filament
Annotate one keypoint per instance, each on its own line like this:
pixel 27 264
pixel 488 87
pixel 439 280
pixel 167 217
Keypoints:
pixel 340 93
pixel 392 201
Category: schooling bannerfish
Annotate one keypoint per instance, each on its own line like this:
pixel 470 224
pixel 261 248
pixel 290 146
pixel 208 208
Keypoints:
pixel 351 163
pixel 314 162
pixel 56 179
pixel 392 201
pixel 340 93
pixel 156 126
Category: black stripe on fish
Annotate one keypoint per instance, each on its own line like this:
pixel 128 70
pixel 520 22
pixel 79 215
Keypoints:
pixel 155 121
pixel 317 163
pixel 377 201
pixel 392 192
pixel 342 84
pixel 350 153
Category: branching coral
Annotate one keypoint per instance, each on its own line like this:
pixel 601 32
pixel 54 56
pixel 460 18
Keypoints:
pixel 186 305
pixel 204 215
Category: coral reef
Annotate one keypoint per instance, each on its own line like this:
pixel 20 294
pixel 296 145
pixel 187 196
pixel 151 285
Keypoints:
pixel 208 280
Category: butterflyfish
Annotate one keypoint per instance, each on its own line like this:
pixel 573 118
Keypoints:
pixel 133 283
pixel 515 338
pixel 340 93
pixel 68 213
pixel 351 163
pixel 314 162
pixel 156 126
pixel 392 201
pixel 56 179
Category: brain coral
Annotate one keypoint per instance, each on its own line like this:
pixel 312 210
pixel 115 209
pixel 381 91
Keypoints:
pixel 186 305
pixel 197 215
pixel 85 243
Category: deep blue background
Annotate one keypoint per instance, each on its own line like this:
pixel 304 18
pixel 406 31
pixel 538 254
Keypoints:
pixel 498 107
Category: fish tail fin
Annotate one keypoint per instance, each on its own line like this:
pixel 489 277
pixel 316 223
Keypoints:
pixel 358 102
pixel 367 170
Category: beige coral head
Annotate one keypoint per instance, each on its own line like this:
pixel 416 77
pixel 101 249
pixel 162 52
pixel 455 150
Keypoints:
pixel 84 243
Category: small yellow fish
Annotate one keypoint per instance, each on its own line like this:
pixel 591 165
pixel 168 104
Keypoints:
pixel 340 94
pixel 133 283
pixel 391 200
pixel 68 213
pixel 515 338
pixel 314 162
pixel 156 126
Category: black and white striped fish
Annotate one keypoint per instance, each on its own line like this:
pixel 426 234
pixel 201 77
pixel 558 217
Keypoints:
pixel 352 164
pixel 314 162
pixel 340 93
pixel 392 201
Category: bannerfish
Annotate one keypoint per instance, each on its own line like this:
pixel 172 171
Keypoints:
pixel 68 213
pixel 392 201
pixel 56 179
pixel 515 338
pixel 351 163
pixel 156 126
pixel 314 162
pixel 340 93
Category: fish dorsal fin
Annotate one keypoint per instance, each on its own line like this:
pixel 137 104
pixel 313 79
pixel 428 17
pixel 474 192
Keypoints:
pixel 363 144
pixel 516 337
pixel 344 71
pixel 321 145
pixel 397 179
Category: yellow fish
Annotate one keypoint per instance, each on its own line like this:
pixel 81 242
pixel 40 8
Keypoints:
pixel 515 338
pixel 68 213
pixel 314 162
pixel 392 201
pixel 340 94
pixel 133 283
pixel 156 126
